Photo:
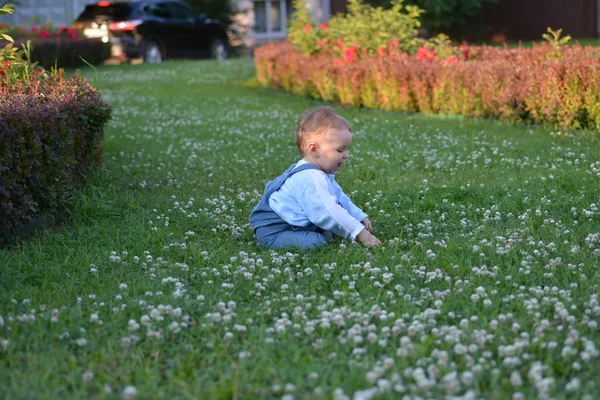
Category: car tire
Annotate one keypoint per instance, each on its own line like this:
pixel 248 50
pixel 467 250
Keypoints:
pixel 219 49
pixel 152 53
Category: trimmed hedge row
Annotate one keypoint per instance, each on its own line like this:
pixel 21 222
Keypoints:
pixel 539 84
pixel 50 134
pixel 66 52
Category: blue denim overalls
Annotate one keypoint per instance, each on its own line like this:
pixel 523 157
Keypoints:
pixel 272 231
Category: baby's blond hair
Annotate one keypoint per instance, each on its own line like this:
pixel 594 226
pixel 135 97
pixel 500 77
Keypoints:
pixel 317 121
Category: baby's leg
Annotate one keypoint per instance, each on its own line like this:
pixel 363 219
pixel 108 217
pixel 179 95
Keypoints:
pixel 298 238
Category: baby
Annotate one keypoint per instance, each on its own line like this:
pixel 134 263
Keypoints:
pixel 305 206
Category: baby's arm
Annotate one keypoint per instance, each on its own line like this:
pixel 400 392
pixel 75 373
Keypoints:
pixel 347 203
pixel 323 210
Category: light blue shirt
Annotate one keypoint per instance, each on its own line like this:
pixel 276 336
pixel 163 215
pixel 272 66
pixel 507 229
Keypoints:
pixel 312 196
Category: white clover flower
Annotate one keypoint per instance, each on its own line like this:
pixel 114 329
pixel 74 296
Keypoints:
pixel 132 325
pixel 515 379
pixel 338 394
pixel 289 387
pixel 129 393
pixel 87 376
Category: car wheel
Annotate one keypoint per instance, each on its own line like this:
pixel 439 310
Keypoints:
pixel 152 53
pixel 218 50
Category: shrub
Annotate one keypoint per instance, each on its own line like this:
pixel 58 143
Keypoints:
pixel 50 130
pixel 456 15
pixel 526 84
pixel 61 46
pixel 68 53
pixel 351 37
pixel 353 33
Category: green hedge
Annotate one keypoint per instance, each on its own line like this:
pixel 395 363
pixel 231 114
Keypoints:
pixel 65 52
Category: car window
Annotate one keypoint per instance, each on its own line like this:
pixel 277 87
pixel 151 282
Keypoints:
pixel 180 11
pixel 159 10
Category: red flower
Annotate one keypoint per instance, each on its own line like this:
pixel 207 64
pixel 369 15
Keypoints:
pixel 425 54
pixel 34 29
pixel 6 65
pixel 44 34
pixel 350 54
pixel 338 61
pixel 307 27
pixel 465 50
pixel 319 43
pixel 324 26
pixel 340 43
pixel 382 52
pixel 393 43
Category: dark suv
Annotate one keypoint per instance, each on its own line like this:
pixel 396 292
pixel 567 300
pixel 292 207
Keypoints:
pixel 154 30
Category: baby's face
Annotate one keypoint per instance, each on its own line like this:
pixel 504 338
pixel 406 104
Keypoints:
pixel 332 150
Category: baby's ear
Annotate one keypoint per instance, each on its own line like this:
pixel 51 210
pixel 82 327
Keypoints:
pixel 313 146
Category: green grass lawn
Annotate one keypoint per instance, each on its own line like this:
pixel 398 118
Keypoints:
pixel 486 285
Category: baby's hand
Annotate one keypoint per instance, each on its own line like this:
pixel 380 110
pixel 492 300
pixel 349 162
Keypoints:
pixel 367 238
pixel 367 223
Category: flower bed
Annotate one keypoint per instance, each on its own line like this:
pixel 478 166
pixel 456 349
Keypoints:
pixel 60 46
pixel 543 84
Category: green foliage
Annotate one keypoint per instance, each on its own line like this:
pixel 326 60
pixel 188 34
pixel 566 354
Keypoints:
pixel 15 64
pixel 553 37
pixel 442 45
pixel 6 9
pixel 440 14
pixel 366 29
pixel 302 31
pixel 373 28
pixel 221 10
